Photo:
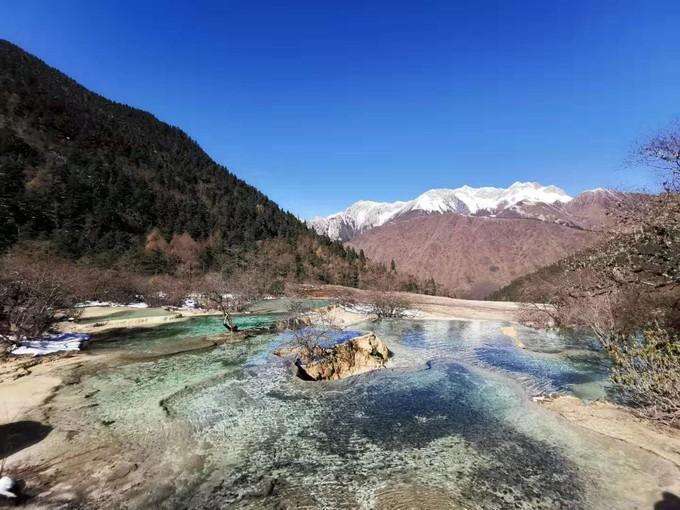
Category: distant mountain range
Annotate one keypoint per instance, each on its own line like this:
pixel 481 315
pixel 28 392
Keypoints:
pixel 475 240
pixel 522 199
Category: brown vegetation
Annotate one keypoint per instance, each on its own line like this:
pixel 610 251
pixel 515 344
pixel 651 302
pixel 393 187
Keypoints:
pixel 229 295
pixel 470 257
pixel 310 330
pixel 34 296
pixel 387 305
pixel 627 291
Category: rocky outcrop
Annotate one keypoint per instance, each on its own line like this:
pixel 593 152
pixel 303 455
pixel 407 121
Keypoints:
pixel 355 356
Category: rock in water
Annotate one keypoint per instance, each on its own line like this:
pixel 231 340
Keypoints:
pixel 355 356
pixel 6 486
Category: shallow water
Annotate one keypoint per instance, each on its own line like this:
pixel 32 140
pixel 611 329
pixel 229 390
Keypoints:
pixel 450 423
pixel 164 337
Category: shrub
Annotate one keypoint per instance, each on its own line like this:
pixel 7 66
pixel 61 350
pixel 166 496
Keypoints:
pixel 34 296
pixel 387 305
pixel 646 372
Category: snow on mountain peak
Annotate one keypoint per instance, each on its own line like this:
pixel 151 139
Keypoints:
pixel 366 214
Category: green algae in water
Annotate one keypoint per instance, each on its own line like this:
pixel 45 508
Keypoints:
pixel 447 416
pixel 180 333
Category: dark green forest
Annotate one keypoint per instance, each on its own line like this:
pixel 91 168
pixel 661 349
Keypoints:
pixel 96 176
pixel 109 185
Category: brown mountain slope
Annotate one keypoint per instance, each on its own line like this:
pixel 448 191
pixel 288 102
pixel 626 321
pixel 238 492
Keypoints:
pixel 592 210
pixel 471 256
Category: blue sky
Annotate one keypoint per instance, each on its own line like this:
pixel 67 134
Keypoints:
pixel 320 104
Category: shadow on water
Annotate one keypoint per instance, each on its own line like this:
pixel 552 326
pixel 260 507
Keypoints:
pixel 515 467
pixel 18 435
pixel 668 501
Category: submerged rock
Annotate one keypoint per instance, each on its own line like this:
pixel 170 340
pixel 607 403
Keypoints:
pixel 355 356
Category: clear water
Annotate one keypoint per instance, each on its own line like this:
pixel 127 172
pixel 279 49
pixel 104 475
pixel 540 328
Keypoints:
pixel 176 335
pixel 450 423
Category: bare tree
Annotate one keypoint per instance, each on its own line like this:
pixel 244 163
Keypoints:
pixel 311 329
pixel 34 296
pixel 345 298
pixel 230 295
pixel 627 292
pixel 388 305
pixel 167 290
pixel 662 152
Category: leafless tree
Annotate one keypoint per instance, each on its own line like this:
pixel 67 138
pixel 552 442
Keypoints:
pixel 345 298
pixel 662 152
pixel 168 290
pixel 627 292
pixel 387 305
pixel 311 329
pixel 229 295
pixel 34 296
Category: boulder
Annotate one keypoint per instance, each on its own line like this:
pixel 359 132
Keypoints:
pixel 355 356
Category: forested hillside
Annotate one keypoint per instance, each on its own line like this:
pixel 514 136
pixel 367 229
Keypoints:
pixel 93 175
pixel 112 186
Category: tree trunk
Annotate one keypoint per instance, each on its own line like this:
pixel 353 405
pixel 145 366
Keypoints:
pixel 229 324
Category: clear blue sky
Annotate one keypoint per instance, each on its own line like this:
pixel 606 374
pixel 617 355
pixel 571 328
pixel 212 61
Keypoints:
pixel 321 103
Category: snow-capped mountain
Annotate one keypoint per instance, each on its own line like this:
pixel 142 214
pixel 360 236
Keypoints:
pixel 486 201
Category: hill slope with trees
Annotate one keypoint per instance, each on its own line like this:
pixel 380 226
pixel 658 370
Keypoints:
pixel 97 176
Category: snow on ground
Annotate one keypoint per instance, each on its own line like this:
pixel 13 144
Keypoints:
pixel 51 344
pixel 95 303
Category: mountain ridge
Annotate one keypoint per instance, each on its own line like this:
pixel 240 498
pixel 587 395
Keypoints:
pixel 473 255
pixel 363 215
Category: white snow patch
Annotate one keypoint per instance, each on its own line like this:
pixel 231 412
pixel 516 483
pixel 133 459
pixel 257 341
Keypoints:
pixel 189 303
pixel 88 304
pixel 6 486
pixel 51 344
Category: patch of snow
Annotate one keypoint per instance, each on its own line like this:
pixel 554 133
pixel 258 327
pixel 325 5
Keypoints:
pixel 189 303
pixel 88 304
pixel 6 486
pixel 95 303
pixel 360 308
pixel 51 344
